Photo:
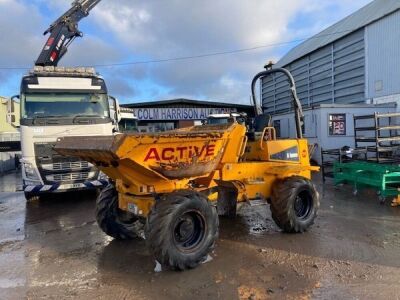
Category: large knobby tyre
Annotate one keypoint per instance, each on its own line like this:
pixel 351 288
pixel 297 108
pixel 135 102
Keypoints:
pixel 294 204
pixel 181 229
pixel 111 219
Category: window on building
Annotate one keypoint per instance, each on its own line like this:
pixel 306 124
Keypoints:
pixel 277 126
pixel 337 124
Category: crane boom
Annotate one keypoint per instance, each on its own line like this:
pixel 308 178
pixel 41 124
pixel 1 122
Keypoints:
pixel 63 31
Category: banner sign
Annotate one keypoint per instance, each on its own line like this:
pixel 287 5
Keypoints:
pixel 179 113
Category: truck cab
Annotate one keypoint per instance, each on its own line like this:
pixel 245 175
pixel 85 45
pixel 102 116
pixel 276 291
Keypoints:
pixel 58 102
pixel 128 122
pixel 222 119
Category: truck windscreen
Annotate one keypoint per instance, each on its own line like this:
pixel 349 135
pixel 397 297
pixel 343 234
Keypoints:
pixel 128 125
pixel 219 121
pixel 68 105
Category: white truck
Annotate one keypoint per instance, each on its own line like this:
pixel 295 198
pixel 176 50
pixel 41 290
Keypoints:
pixel 57 102
pixel 128 121
pixel 220 119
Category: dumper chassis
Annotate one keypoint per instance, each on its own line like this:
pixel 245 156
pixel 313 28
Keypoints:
pixel 170 187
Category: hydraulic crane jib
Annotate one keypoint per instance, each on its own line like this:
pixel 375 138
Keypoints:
pixel 63 32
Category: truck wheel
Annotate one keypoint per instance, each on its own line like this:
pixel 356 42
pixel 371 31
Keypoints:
pixel 294 204
pixel 111 219
pixel 181 229
pixel 31 197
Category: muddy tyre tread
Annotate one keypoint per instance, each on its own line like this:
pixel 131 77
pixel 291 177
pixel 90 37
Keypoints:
pixel 284 194
pixel 107 216
pixel 159 223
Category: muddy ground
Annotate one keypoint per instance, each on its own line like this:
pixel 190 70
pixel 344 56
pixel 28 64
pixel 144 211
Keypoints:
pixel 53 249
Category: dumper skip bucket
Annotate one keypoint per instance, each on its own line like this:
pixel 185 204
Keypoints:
pixel 179 154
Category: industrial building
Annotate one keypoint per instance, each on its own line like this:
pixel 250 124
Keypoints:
pixel 8 133
pixel 165 115
pixel 351 68
pixel 357 60
pixel 4 125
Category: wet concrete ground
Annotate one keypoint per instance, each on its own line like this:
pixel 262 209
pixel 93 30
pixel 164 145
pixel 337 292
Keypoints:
pixel 53 249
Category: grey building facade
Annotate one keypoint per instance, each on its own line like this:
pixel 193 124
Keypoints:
pixel 155 116
pixel 355 61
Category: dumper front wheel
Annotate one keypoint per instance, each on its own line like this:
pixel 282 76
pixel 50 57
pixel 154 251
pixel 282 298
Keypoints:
pixel 181 229
pixel 294 204
pixel 112 220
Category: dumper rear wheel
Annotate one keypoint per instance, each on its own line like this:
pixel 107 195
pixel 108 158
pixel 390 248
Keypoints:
pixel 111 220
pixel 181 229
pixel 294 204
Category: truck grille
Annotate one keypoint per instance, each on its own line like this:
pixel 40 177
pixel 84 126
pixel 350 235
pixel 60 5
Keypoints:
pixel 67 166
pixel 55 168
pixel 71 176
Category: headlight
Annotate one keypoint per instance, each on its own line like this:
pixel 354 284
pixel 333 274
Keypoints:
pixel 102 176
pixel 30 171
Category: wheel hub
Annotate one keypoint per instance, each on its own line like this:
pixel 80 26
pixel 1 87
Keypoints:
pixel 186 229
pixel 189 231
pixel 303 205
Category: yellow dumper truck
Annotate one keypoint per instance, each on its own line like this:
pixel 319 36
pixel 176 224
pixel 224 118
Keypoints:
pixel 173 185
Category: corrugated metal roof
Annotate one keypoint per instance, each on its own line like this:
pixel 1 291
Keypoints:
pixel 361 18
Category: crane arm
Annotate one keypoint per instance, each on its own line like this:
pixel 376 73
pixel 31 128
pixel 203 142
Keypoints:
pixel 63 31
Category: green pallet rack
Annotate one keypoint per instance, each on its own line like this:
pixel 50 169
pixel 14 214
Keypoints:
pixel 384 178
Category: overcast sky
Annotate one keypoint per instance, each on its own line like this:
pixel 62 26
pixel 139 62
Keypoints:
pixel 119 31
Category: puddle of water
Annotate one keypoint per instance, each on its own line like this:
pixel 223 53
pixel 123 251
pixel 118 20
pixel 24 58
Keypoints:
pixel 158 267
pixel 11 283
pixel 258 229
pixel 15 239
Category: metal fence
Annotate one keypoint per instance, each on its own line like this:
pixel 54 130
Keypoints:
pixel 8 159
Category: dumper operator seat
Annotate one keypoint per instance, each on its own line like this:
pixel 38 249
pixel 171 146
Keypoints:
pixel 259 124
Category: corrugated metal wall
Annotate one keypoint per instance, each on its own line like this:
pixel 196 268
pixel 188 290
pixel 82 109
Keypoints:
pixel 383 56
pixel 332 74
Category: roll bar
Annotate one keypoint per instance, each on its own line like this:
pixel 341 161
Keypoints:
pixel 298 111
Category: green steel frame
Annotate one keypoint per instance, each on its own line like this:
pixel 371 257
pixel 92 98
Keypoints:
pixel 384 178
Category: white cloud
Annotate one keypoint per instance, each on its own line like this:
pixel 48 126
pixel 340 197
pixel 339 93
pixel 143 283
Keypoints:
pixel 157 29
pixel 182 28
pixel 18 39
pixel 163 29
pixel 187 26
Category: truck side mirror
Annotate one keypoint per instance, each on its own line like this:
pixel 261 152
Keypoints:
pixel 115 111
pixel 12 111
